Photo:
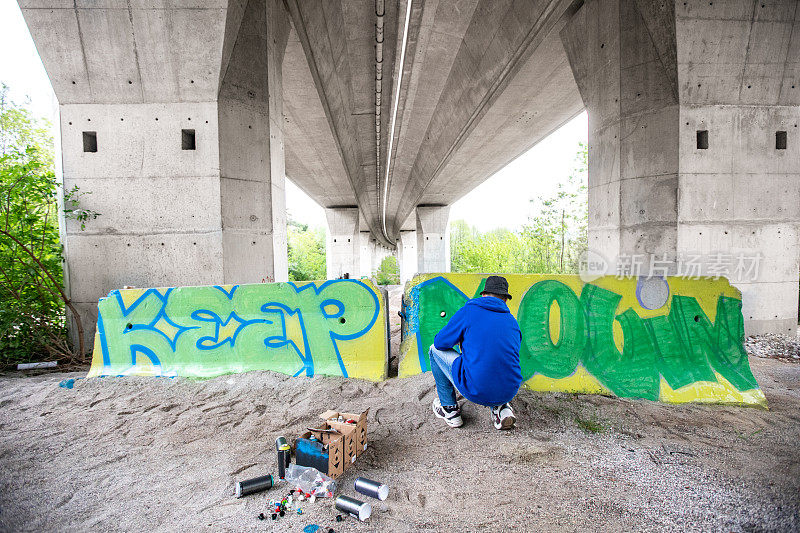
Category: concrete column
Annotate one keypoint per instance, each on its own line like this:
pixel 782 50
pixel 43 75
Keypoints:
pixel 252 169
pixel 380 253
pixel 433 238
pixel 633 131
pixel 171 121
pixel 684 157
pixel 407 255
pixel 344 242
pixel 366 254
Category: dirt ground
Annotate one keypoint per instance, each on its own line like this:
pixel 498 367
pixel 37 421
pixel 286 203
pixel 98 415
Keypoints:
pixel 139 454
pixel 122 454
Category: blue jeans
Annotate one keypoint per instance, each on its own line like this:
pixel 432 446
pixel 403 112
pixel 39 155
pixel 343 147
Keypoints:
pixel 442 370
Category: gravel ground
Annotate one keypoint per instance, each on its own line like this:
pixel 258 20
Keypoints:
pixel 122 454
pixel 774 346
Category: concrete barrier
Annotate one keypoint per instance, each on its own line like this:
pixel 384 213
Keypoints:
pixel 335 328
pixel 675 340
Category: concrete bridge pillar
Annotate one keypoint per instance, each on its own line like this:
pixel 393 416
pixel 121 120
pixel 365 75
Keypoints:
pixel 367 253
pixel 183 156
pixel 433 238
pixel 344 242
pixel 694 145
pixel 407 255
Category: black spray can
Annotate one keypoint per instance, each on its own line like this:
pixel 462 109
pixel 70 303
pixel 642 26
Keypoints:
pixel 353 507
pixel 251 486
pixel 284 455
pixel 370 488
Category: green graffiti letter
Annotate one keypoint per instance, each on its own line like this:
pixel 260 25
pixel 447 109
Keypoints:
pixel 438 302
pixel 631 373
pixel 538 352
pixel 720 344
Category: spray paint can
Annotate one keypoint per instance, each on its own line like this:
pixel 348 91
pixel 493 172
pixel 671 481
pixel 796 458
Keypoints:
pixel 353 507
pixel 284 455
pixel 251 486
pixel 370 488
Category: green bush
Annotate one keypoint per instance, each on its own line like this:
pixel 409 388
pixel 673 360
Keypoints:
pixel 306 248
pixel 388 273
pixel 33 323
pixel 551 242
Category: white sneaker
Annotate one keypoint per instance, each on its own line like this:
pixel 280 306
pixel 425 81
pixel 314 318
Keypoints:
pixel 503 416
pixel 451 415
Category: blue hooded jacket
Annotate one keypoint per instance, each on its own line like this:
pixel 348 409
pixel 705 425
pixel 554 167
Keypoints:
pixel 487 372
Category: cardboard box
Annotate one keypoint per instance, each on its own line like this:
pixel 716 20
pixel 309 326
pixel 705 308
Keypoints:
pixel 326 454
pixel 355 432
pixel 337 444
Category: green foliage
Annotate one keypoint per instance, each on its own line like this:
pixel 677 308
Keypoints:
pixel 32 313
pixel 551 242
pixel 388 273
pixel 306 252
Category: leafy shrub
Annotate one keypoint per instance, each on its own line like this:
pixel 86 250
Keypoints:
pixel 33 322
pixel 388 273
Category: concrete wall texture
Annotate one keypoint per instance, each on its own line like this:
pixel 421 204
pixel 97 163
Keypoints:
pixel 386 112
pixel 656 77
pixel 675 340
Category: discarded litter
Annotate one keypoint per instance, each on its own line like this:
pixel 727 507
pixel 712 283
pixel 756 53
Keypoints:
pixel 370 488
pixel 30 366
pixel 66 383
pixel 251 486
pixel 353 507
pixel 334 446
pixel 284 455
pixel 310 528
pixel 310 481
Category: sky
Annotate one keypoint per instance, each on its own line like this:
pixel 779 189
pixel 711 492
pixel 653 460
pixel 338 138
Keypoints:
pixel 507 193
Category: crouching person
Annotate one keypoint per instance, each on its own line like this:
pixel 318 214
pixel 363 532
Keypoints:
pixel 487 371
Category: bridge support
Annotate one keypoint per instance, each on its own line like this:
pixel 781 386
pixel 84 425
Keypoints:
pixel 433 238
pixel 694 146
pixel 407 255
pixel 343 255
pixel 183 159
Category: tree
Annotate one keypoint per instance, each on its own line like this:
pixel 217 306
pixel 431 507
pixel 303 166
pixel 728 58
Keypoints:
pixel 306 249
pixel 559 230
pixel 33 321
pixel 388 272
pixel 551 242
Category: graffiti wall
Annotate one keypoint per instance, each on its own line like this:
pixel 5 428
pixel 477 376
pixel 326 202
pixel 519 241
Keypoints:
pixel 335 328
pixel 675 340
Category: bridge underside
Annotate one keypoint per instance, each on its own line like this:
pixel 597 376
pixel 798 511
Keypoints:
pixel 386 112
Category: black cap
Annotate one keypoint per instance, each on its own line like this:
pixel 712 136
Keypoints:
pixel 496 285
